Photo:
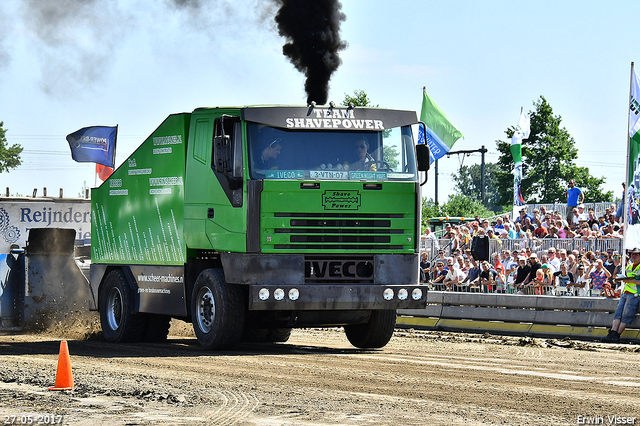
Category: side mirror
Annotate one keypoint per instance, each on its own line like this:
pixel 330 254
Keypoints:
pixel 222 153
pixel 423 156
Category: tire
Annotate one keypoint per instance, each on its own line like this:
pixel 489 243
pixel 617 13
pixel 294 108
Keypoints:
pixel 157 328
pixel 374 334
pixel 119 323
pixel 217 311
pixel 278 335
pixel 254 335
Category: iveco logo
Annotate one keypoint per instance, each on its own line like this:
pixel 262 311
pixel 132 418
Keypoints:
pixel 338 270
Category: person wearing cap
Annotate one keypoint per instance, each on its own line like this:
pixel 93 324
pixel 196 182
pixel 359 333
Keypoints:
pixel 535 265
pixel 522 272
pixel 582 215
pixel 629 299
pixel 475 226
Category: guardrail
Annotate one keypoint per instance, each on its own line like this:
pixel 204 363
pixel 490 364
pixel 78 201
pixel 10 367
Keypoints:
pixel 587 318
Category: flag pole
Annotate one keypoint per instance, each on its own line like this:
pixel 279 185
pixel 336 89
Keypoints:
pixel 435 171
pixel 626 177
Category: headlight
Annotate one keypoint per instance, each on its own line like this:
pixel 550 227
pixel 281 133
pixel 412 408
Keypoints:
pixel 387 294
pixel 294 294
pixel 416 294
pixel 263 294
pixel 278 294
pixel 402 294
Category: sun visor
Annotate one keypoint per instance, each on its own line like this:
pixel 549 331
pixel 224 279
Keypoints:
pixel 318 118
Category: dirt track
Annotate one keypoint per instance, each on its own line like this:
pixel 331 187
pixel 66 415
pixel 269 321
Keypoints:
pixel 420 378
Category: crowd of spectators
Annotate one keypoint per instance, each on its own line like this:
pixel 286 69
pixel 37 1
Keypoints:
pixel 528 269
pixel 548 272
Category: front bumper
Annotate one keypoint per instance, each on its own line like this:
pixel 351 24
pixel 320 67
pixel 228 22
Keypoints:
pixel 312 297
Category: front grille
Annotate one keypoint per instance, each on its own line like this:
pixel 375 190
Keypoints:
pixel 340 231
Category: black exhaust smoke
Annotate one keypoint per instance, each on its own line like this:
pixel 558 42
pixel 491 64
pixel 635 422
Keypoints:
pixel 312 30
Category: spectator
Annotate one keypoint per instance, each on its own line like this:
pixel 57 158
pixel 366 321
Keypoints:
pixel 582 215
pixel 522 272
pixel 591 218
pixel 574 197
pixel 617 268
pixel 499 224
pixel 528 225
pixel 431 239
pixel 535 265
pixel 508 232
pixel 424 267
pixel 487 277
pixel 543 280
pixel 629 300
pixel 553 259
pixel 581 286
pixel 540 232
pixel 454 276
pixel 563 279
pixel 575 218
pixel 599 277
pixel 438 275
pixel 474 272
pixel 474 228
pixel 572 265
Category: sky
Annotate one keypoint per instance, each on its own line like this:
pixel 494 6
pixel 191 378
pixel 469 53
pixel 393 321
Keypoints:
pixel 69 64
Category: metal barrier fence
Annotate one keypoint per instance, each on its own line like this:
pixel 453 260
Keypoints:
pixel 431 246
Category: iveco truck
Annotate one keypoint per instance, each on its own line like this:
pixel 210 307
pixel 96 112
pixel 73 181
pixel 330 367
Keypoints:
pixel 250 221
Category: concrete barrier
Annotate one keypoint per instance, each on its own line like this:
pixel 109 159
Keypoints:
pixel 539 316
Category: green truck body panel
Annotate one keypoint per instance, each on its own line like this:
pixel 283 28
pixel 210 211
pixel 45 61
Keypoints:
pixel 137 214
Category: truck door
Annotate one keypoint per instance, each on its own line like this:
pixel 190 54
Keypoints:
pixel 214 200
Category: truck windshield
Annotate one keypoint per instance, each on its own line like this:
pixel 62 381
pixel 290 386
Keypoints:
pixel 331 155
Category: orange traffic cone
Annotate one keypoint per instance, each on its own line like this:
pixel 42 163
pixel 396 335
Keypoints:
pixel 64 379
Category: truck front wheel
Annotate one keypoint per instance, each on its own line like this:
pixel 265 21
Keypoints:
pixel 217 311
pixel 119 323
pixel 374 334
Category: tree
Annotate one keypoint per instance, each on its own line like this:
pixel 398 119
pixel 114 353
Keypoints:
pixel 359 98
pixel 548 157
pixel 9 156
pixel 468 182
pixel 456 206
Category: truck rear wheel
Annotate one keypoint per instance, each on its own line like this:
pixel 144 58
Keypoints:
pixel 157 328
pixel 119 323
pixel 278 335
pixel 217 311
pixel 374 334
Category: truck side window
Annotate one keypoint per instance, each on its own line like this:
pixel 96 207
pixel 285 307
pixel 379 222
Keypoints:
pixel 226 161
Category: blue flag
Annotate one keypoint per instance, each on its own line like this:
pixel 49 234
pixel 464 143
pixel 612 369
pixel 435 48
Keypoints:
pixel 96 144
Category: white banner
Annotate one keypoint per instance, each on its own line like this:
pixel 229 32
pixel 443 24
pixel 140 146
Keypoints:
pixel 18 216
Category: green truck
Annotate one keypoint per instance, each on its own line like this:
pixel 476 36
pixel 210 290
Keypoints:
pixel 250 221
